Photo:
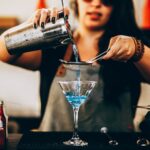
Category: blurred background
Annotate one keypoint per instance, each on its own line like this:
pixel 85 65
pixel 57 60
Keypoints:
pixel 23 107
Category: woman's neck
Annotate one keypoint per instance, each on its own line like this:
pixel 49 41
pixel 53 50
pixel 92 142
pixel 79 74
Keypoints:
pixel 87 42
pixel 90 34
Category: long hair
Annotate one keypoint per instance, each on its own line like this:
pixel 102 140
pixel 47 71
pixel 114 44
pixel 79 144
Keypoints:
pixel 117 75
pixel 122 21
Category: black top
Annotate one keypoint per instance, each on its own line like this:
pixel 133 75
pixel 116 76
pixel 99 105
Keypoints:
pixel 117 76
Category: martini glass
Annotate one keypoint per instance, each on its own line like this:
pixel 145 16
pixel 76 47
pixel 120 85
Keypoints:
pixel 76 93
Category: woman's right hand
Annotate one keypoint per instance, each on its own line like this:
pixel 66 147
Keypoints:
pixel 42 16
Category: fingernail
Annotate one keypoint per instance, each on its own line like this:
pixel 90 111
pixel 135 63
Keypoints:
pixel 42 25
pixel 53 20
pixel 34 25
pixel 66 17
pixel 60 14
pixel 48 20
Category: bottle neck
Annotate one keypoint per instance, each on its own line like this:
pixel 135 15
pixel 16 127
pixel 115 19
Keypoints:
pixel 1 110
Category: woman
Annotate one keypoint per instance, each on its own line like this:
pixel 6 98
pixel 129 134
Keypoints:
pixel 103 24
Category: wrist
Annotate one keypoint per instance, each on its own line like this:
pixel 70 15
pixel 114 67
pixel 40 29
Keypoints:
pixel 139 50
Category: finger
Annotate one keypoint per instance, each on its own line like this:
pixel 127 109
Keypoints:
pixel 121 52
pixel 66 12
pixel 36 17
pixel 48 15
pixel 54 14
pixel 125 51
pixel 112 41
pixel 43 18
pixel 120 55
pixel 114 48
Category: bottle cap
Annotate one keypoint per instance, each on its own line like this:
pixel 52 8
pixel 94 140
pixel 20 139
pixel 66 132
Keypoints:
pixel 1 102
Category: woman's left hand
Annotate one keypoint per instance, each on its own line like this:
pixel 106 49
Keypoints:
pixel 122 48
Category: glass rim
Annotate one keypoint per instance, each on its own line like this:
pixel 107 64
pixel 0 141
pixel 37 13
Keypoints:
pixel 80 81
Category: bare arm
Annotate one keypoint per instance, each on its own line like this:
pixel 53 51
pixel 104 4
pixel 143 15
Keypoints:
pixel 144 64
pixel 32 59
pixel 4 55
pixel 29 60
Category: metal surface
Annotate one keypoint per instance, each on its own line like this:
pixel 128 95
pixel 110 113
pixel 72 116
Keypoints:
pixel 81 64
pixel 26 38
pixel 75 65
pixel 98 57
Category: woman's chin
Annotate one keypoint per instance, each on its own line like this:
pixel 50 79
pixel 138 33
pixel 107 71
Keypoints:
pixel 95 27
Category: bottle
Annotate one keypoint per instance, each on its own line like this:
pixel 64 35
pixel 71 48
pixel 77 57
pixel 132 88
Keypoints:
pixel 41 4
pixel 27 38
pixel 3 126
pixel 146 15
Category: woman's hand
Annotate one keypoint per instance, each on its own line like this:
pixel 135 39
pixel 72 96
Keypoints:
pixel 122 48
pixel 42 16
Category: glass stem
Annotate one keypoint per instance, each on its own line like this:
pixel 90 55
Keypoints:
pixel 75 133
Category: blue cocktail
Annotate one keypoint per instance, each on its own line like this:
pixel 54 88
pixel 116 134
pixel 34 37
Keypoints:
pixel 76 101
pixel 76 93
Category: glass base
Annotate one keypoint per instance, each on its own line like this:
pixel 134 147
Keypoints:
pixel 75 142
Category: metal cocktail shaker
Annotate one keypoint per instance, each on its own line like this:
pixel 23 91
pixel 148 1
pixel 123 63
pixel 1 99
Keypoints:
pixel 27 38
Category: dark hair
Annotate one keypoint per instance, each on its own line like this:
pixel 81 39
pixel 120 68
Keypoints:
pixel 123 18
pixel 122 21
